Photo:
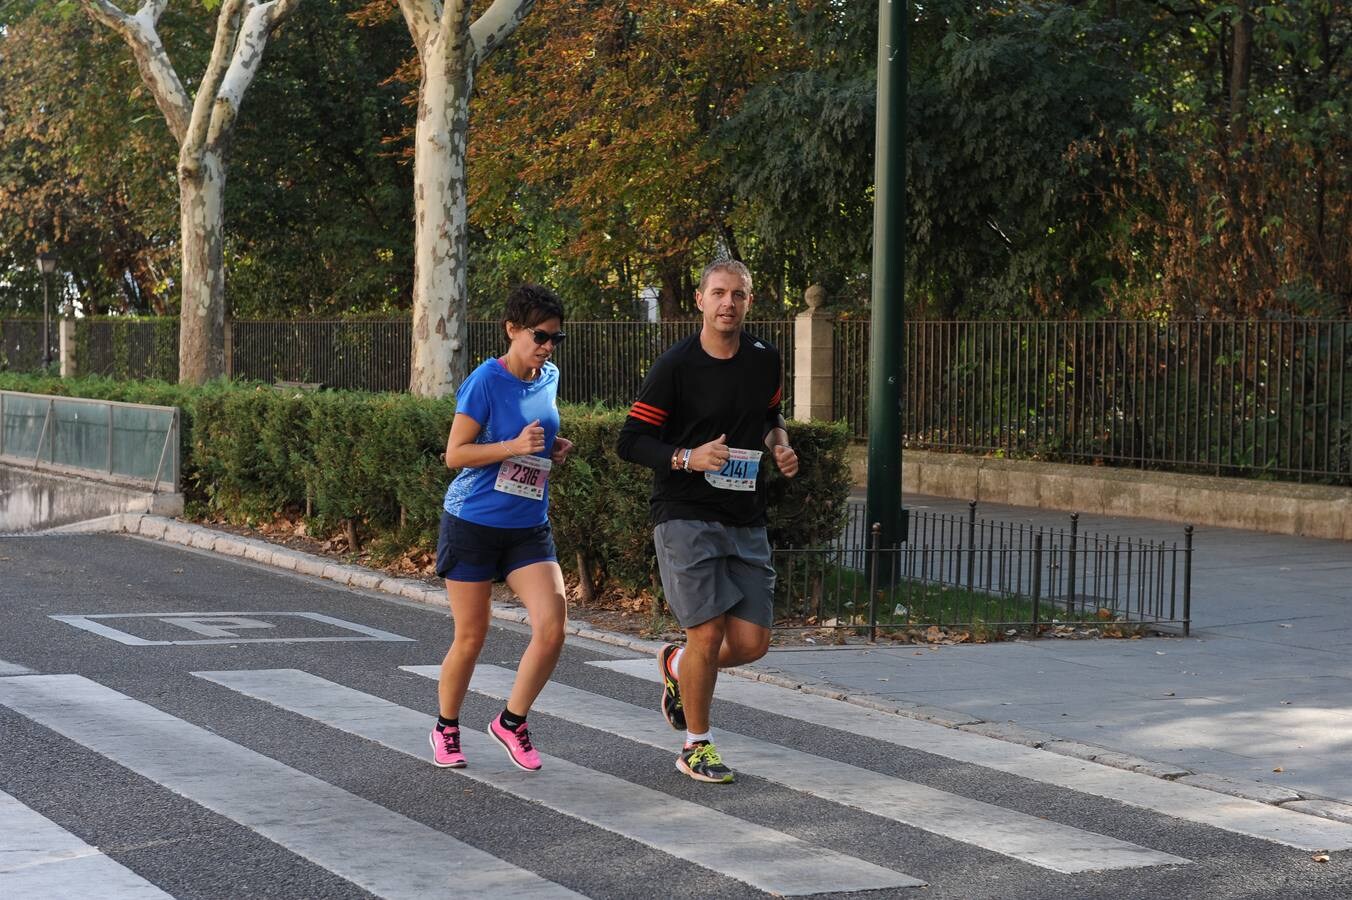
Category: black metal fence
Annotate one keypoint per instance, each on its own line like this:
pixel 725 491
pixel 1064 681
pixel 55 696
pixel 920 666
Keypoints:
pixel 21 344
pixel 1241 398
pixel 850 368
pixel 347 354
pixel 973 573
pixel 138 348
pixel 604 362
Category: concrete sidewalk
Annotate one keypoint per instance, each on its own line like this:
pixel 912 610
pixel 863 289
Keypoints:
pixel 1261 691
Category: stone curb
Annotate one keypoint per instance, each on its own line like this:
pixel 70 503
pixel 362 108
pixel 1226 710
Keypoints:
pixel 173 531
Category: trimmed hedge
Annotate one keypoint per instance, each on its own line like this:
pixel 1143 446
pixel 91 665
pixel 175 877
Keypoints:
pixel 250 452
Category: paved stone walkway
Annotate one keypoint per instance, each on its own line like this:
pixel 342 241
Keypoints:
pixel 1261 691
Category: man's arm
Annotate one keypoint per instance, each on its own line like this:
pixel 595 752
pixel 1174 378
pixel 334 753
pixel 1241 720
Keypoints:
pixel 777 436
pixel 640 439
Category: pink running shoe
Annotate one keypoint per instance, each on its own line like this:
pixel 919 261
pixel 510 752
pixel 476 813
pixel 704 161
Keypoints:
pixel 446 748
pixel 516 743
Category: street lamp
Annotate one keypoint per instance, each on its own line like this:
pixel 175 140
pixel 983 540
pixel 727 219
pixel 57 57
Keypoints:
pixel 47 265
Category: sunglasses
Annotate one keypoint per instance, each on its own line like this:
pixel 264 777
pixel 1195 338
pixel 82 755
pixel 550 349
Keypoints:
pixel 541 336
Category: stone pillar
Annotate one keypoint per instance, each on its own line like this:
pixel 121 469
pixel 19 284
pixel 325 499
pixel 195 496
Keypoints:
pixel 813 359
pixel 67 333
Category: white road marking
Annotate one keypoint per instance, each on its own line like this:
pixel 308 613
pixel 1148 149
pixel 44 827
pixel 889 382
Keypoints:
pixel 1030 839
pixel 760 856
pixel 1181 801
pixel 374 848
pixel 39 860
pixel 210 624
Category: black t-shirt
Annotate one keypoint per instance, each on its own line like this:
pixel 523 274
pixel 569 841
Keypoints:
pixel 689 398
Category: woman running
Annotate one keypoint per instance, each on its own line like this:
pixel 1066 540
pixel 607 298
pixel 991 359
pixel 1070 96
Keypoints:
pixel 494 525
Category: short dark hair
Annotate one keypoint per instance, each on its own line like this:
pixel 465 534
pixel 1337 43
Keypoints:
pixel 733 266
pixel 530 304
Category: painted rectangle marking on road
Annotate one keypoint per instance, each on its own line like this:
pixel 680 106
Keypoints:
pixel 762 857
pixel 1033 840
pixel 220 628
pixel 381 851
pixel 39 859
pixel 1181 801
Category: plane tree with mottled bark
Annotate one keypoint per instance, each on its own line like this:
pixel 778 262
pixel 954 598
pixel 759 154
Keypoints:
pixel 202 125
pixel 451 46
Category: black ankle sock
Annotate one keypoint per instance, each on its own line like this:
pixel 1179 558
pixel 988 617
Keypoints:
pixel 443 723
pixel 510 721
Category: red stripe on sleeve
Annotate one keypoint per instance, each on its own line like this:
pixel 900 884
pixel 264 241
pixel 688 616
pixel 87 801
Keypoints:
pixel 653 411
pixel 645 417
pixel 776 398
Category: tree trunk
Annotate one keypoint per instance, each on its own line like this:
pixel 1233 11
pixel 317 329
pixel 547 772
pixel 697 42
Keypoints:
pixel 586 585
pixel 201 353
pixel 669 302
pixel 201 126
pixel 440 283
pixel 1241 65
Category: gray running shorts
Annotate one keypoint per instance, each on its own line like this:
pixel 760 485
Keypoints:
pixel 709 569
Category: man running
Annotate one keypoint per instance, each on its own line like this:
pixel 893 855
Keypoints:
pixel 705 417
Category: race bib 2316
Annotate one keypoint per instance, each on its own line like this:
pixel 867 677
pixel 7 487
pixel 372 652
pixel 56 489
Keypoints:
pixel 524 476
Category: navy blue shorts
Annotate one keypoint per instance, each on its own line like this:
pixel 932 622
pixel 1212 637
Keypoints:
pixel 470 552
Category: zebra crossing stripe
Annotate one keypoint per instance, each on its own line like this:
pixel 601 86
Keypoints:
pixel 1030 839
pixel 9 668
pixel 762 857
pixel 1181 801
pixel 374 848
pixel 39 860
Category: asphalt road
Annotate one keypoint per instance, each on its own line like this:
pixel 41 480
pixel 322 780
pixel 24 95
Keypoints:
pixel 176 723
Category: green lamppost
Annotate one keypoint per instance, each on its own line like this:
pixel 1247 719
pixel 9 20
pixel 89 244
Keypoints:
pixel 46 265
pixel 889 270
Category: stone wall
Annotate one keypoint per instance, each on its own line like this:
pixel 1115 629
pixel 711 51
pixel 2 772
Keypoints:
pixel 1281 507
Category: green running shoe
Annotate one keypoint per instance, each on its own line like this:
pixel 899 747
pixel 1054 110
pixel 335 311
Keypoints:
pixel 701 762
pixel 671 688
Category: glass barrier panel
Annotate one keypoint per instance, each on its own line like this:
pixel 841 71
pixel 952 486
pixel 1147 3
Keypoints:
pixel 138 442
pixel 23 418
pixel 79 436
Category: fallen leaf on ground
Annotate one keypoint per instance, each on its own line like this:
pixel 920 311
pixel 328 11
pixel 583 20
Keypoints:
pixel 1279 769
pixel 1320 857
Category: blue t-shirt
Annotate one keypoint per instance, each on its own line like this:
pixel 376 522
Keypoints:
pixel 503 404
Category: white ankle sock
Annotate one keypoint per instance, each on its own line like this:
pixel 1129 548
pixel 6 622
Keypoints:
pixel 691 737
